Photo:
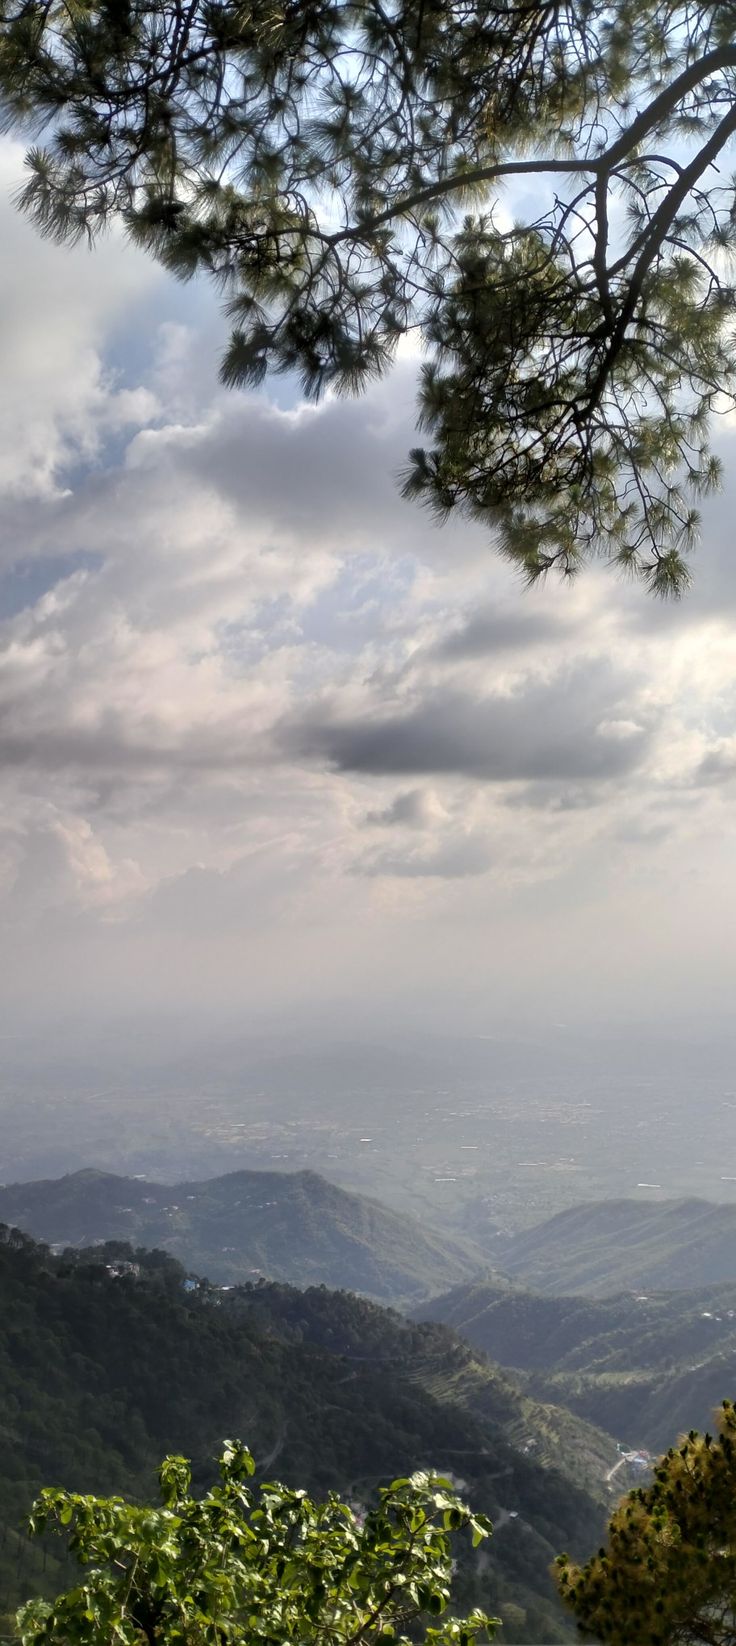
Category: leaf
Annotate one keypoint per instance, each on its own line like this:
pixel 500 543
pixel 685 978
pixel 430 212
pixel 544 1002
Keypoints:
pixel 312 1568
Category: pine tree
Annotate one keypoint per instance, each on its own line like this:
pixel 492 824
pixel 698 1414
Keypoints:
pixel 338 168
pixel 668 1572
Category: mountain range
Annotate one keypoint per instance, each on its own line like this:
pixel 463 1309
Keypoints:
pixel 640 1360
pixel 290 1226
pixel 642 1366
pixel 609 1246
pixel 111 1353
pixel 299 1228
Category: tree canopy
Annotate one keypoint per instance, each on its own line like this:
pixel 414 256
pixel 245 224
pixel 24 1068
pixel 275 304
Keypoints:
pixel 667 1576
pixel 271 1566
pixel 539 189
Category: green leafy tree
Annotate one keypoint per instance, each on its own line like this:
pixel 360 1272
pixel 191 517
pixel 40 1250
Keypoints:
pixel 270 1567
pixel 338 167
pixel 668 1573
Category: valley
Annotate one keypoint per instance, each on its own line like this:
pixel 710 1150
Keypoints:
pixel 474 1135
pixel 533 1367
pixel 644 1368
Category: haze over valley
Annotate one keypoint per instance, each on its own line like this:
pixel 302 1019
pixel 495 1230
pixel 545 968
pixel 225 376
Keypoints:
pixel 471 1132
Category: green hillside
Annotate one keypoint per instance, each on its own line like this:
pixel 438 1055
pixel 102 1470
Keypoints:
pixel 647 1409
pixel 642 1366
pixel 653 1330
pixel 443 1364
pixel 523 1329
pixel 616 1245
pixel 104 1369
pixel 286 1226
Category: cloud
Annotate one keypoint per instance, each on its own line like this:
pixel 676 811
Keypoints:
pixel 620 731
pixel 503 628
pixel 552 729
pixel 550 796
pixel 266 730
pixel 411 810
pixel 59 400
pixel 453 859
pixel 58 861
pixel 718 765
pixel 326 473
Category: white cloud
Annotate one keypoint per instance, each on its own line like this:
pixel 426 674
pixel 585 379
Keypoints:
pixel 263 726
pixel 620 731
pixel 59 398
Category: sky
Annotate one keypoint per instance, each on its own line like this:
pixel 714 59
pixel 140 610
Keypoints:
pixel 273 744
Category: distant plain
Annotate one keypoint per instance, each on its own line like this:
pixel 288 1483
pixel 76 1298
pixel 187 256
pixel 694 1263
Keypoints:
pixel 472 1133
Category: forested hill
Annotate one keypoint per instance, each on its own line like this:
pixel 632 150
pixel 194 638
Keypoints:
pixel 615 1245
pixel 440 1362
pixel 103 1369
pixel 294 1226
pixel 643 1365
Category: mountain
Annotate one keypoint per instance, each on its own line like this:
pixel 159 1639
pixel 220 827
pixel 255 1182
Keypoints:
pixel 617 1245
pixel 536 1332
pixel 644 1366
pixel 652 1331
pixel 108 1360
pixel 443 1364
pixel 287 1226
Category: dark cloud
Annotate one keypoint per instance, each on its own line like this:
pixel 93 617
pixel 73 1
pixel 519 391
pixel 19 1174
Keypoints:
pixel 408 811
pixel 572 728
pixel 718 765
pixel 329 474
pixel 500 629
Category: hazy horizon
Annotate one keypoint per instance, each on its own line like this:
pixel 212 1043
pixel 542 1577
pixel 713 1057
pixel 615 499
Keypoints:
pixel 470 1132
